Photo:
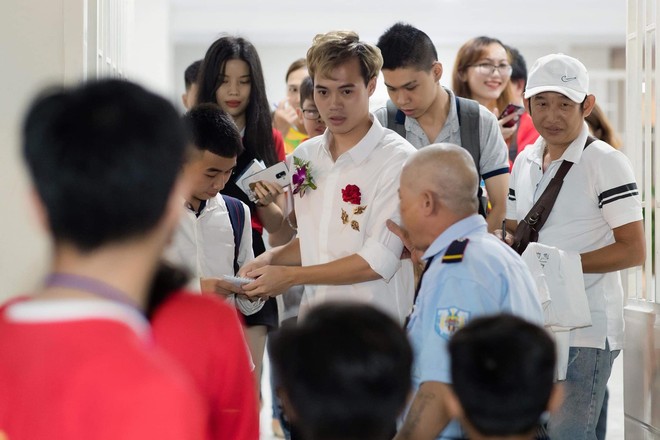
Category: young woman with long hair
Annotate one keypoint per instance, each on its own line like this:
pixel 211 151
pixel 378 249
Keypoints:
pixel 231 77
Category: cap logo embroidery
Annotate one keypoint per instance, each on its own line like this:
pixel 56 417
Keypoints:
pixel 566 79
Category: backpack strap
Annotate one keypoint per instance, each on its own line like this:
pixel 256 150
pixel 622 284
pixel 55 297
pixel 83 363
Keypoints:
pixel 396 119
pixel 237 220
pixel 528 228
pixel 468 120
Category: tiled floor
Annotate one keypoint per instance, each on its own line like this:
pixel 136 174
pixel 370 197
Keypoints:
pixel 614 417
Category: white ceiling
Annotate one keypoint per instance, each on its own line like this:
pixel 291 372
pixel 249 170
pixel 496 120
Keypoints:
pixel 446 21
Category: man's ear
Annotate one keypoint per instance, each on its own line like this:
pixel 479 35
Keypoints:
pixel 589 104
pixel 184 100
pixel 299 112
pixel 371 85
pixel 429 203
pixel 437 71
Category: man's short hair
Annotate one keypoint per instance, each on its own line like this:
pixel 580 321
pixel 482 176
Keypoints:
pixel 335 48
pixel 191 72
pixel 502 373
pixel 306 89
pixel 213 130
pixel 404 46
pixel 518 65
pixel 103 157
pixel 346 371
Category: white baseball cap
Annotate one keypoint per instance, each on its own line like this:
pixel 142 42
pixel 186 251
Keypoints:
pixel 558 73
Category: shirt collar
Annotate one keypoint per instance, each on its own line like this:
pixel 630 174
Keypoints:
pixel 458 230
pixel 451 126
pixel 452 117
pixel 55 311
pixel 208 205
pixel 360 151
pixel 572 154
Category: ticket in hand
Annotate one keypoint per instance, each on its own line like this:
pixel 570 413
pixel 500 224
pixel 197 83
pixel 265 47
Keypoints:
pixel 238 281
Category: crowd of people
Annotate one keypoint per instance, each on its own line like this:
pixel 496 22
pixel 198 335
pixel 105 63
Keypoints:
pixel 421 253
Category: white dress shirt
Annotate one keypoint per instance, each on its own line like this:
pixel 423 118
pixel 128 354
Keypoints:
pixel 204 245
pixel 374 165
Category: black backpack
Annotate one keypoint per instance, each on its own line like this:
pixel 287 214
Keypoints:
pixel 468 120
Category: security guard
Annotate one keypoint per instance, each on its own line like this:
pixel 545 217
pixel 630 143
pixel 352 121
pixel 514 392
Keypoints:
pixel 468 273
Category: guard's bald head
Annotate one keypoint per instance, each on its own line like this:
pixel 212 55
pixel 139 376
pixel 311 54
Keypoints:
pixel 448 171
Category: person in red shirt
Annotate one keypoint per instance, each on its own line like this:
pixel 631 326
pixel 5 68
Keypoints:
pixel 76 358
pixel 204 334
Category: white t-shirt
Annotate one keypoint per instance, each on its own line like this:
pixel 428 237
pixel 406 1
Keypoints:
pixel 373 165
pixel 599 194
pixel 204 245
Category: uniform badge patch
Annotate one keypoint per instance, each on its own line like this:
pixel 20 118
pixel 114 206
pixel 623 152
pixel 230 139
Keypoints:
pixel 449 321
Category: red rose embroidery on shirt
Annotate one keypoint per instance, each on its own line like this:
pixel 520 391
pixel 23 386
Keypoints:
pixel 351 194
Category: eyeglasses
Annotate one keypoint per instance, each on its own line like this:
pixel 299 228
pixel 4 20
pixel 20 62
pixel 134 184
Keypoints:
pixel 311 114
pixel 489 69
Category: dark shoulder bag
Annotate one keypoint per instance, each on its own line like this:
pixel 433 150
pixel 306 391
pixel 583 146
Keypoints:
pixel 528 229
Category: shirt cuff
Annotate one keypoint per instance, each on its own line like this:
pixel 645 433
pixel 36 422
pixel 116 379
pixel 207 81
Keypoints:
pixel 629 216
pixel 494 173
pixel 380 258
pixel 194 285
pixel 247 307
pixel 443 376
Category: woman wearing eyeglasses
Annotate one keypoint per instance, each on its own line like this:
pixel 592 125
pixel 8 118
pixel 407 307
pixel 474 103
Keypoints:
pixel 482 71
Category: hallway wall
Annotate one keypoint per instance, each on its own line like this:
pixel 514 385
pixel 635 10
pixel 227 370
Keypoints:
pixel 41 43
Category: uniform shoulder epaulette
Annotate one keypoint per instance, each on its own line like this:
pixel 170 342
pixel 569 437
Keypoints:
pixel 455 251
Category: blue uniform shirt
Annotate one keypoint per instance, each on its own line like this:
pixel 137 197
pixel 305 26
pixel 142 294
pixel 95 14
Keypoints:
pixel 491 278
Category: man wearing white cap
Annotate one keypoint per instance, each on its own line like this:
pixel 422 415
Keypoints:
pixel 596 214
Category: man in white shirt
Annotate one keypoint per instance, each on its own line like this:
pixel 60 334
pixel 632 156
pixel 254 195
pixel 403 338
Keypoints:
pixel 204 243
pixel 345 184
pixel 597 214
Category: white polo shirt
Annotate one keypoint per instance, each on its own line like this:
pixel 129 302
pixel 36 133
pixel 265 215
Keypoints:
pixel 373 165
pixel 204 246
pixel 598 195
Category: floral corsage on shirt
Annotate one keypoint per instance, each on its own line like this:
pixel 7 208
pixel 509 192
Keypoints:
pixel 351 194
pixel 302 177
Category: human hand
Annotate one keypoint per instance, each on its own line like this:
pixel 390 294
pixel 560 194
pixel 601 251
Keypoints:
pixel 284 116
pixel 409 251
pixel 219 286
pixel 261 261
pixel 266 192
pixel 507 132
pixel 503 235
pixel 270 281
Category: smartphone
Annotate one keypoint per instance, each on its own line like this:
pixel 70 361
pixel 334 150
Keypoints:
pixel 511 108
pixel 278 173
